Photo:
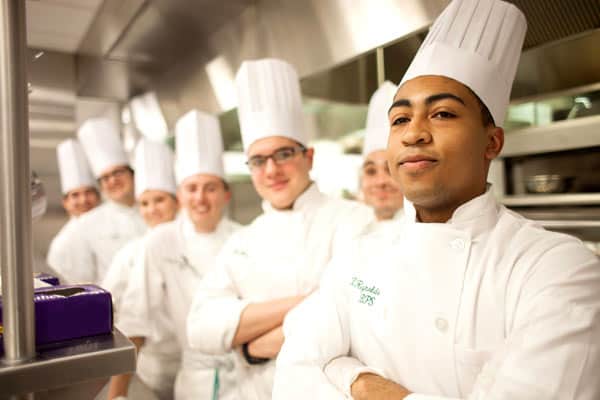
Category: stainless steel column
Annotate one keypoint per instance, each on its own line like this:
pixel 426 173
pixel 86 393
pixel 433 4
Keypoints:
pixel 15 192
pixel 380 65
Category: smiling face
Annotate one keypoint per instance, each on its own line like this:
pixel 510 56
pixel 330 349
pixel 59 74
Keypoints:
pixel 280 183
pixel 439 149
pixel 81 200
pixel 157 207
pixel 379 190
pixel 117 184
pixel 204 197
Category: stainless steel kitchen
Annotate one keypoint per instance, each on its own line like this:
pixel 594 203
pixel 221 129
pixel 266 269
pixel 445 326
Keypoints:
pixel 242 237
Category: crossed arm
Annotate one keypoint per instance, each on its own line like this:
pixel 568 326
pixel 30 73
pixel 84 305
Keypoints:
pixel 260 326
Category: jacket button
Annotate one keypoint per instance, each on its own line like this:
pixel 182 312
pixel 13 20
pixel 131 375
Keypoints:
pixel 441 324
pixel 457 244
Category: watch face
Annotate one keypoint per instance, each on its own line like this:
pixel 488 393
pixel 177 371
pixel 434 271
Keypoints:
pixel 38 197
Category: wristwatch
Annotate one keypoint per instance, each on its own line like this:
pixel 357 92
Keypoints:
pixel 251 359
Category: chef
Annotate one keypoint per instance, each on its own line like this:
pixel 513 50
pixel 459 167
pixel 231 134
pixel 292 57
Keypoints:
pixel 103 231
pixel 177 255
pixel 470 300
pixel 80 195
pixel 158 361
pixel 378 188
pixel 273 264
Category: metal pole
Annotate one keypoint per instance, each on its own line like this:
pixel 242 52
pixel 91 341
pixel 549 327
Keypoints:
pixel 15 192
pixel 380 66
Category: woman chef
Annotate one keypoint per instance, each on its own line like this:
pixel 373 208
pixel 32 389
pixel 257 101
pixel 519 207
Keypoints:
pixel 158 361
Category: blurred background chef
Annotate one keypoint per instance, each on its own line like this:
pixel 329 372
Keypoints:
pixel 377 187
pixel 158 361
pixel 270 266
pixel 176 256
pixel 101 233
pixel 80 195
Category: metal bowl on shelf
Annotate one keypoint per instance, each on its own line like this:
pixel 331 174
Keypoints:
pixel 554 183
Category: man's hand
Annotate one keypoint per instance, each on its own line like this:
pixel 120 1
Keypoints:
pixel 374 387
pixel 267 345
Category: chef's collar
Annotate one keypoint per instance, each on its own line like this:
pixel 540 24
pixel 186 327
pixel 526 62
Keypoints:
pixel 473 210
pixel 312 195
pixel 121 207
pixel 189 229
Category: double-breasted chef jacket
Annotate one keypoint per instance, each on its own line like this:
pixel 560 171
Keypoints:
pixel 486 306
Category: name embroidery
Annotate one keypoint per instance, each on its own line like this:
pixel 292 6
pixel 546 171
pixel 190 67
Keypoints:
pixel 240 252
pixel 368 294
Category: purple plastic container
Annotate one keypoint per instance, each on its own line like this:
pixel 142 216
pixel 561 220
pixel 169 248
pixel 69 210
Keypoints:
pixel 49 279
pixel 68 312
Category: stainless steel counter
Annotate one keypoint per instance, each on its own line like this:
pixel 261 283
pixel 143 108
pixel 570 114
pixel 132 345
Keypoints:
pixel 76 370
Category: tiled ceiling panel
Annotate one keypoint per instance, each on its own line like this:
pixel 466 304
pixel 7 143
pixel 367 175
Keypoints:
pixel 59 25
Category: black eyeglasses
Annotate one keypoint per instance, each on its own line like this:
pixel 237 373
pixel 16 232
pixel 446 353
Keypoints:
pixel 117 173
pixel 279 156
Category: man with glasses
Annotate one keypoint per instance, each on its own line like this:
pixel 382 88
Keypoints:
pixel 270 266
pixel 103 231
pixel 80 195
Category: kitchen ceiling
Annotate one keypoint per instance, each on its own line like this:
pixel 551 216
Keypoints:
pixel 59 25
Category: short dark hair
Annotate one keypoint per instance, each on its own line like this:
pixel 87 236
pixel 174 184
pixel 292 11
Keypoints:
pixel 226 185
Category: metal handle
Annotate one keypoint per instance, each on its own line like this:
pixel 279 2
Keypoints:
pixel 569 224
pixel 15 191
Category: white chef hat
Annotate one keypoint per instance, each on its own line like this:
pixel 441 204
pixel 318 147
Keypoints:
pixel 73 166
pixel 153 164
pixel 148 117
pixel 102 145
pixel 477 43
pixel 198 146
pixel 378 125
pixel 269 101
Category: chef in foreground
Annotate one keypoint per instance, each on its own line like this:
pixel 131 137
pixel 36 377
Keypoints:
pixel 177 255
pixel 100 233
pixel 471 300
pixel 158 361
pixel 271 265
pixel 80 195
pixel 378 189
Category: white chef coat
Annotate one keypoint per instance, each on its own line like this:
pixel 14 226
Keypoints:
pixel 158 360
pixel 281 254
pixel 486 306
pixel 174 260
pixel 59 248
pixel 97 236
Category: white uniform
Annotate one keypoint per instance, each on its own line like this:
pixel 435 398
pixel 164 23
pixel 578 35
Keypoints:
pixel 281 254
pixel 59 249
pixel 97 236
pixel 174 260
pixel 158 360
pixel 486 306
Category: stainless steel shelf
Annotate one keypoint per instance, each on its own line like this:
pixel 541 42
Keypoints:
pixel 568 224
pixel 72 365
pixel 568 199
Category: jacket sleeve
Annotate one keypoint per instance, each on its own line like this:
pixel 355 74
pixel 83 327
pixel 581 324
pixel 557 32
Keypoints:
pixel 217 306
pixel 316 331
pixel 143 296
pixel 79 262
pixel 117 275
